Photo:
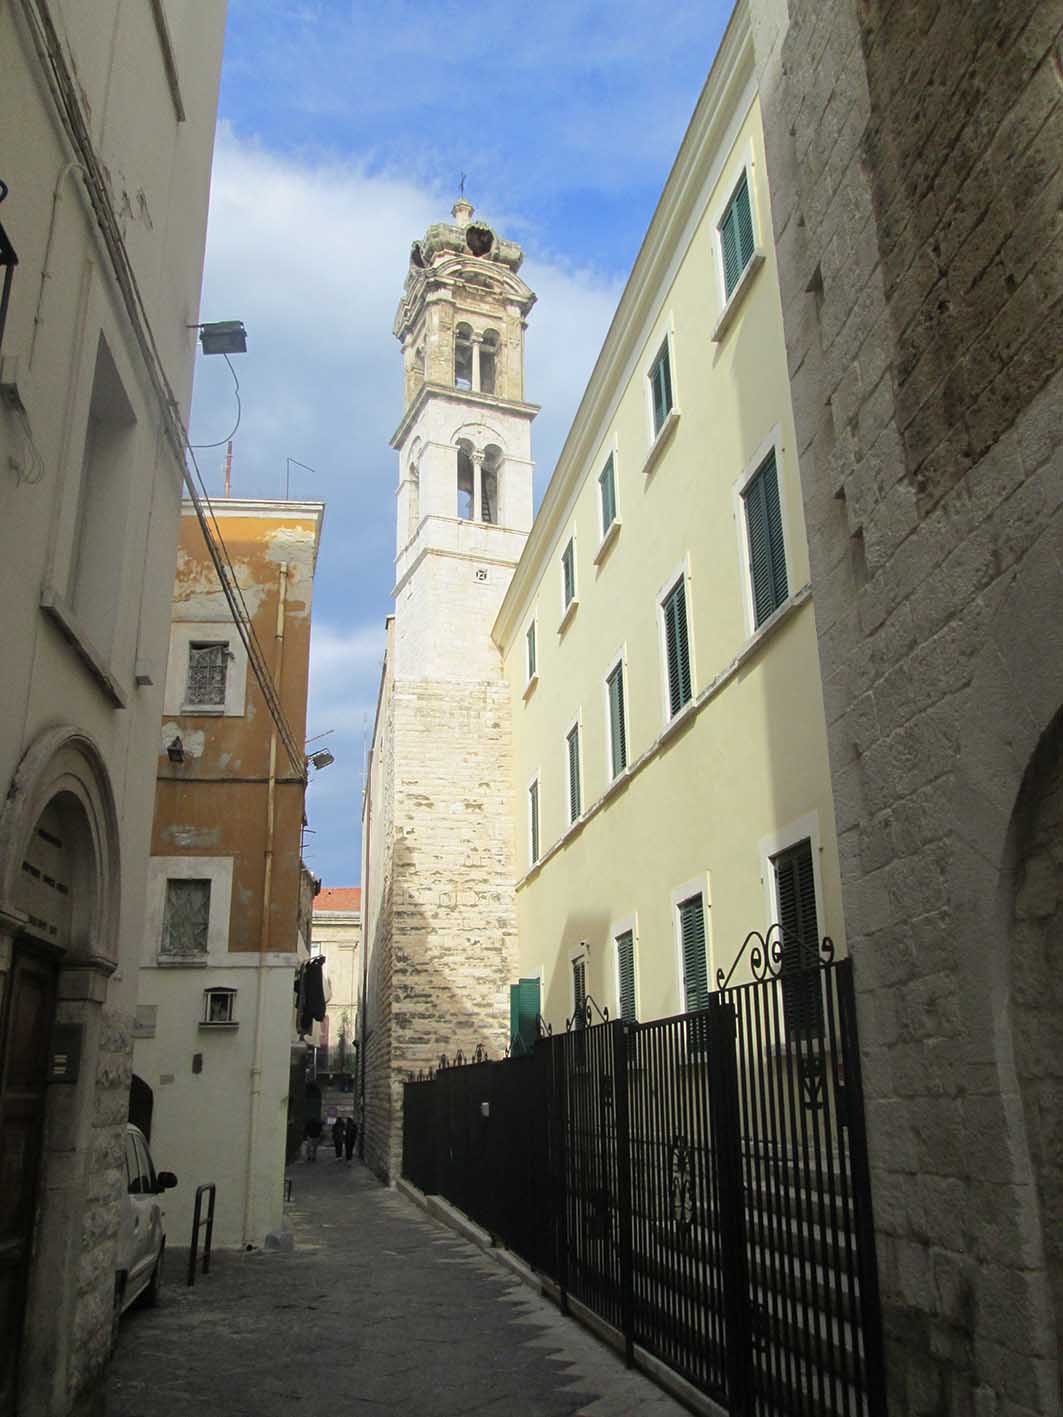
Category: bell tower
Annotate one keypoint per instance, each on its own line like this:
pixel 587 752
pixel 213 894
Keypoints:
pixel 464 505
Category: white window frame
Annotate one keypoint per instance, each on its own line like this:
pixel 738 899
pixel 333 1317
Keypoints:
pixel 803 828
pixel 618 659
pixel 216 869
pixel 531 678
pixel 697 884
pixel 662 336
pixel 681 570
pixel 747 164
pixel 576 725
pixel 208 993
pixel 185 633
pixel 773 443
pixel 616 929
pixel 536 779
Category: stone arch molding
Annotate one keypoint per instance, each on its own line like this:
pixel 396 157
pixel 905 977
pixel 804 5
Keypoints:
pixel 480 435
pixel 63 766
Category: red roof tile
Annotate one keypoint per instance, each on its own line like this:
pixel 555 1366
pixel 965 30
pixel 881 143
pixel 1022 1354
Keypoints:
pixel 338 898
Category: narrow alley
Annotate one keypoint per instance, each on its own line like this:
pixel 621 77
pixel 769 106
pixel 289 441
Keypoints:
pixel 378 1308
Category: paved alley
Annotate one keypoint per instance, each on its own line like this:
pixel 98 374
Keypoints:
pixel 378 1309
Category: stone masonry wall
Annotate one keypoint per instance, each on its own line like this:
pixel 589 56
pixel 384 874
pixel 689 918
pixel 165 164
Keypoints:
pixel 377 894
pixel 914 159
pixel 453 920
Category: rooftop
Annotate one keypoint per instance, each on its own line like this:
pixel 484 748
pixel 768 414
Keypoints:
pixel 338 898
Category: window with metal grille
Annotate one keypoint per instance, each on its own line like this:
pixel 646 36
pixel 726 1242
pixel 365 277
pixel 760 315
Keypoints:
pixel 661 388
pixel 530 642
pixel 767 548
pixel 568 573
pixel 695 966
pixel 795 889
pixel 575 805
pixel 625 971
pixel 533 821
pixel 208 668
pixel 186 919
pixel 617 727
pixel 607 492
pixel 736 235
pixel 218 1005
pixel 676 647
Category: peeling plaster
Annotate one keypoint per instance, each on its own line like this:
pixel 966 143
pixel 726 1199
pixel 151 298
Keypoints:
pixel 193 740
pixel 187 837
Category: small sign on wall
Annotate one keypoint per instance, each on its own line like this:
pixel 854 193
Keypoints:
pixel 64 1056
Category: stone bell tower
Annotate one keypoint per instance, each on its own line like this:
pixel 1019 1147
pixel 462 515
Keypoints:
pixel 438 825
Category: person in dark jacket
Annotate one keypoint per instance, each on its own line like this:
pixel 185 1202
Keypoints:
pixel 338 1131
pixel 350 1136
pixel 313 1137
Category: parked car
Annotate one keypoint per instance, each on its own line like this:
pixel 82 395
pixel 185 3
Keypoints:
pixel 141 1236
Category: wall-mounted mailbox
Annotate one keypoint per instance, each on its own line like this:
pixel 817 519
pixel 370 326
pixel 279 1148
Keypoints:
pixel 64 1056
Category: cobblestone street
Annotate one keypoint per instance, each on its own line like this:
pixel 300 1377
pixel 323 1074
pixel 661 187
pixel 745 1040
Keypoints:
pixel 377 1309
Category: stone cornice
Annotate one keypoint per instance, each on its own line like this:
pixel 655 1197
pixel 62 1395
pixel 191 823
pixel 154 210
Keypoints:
pixel 460 396
pixel 728 90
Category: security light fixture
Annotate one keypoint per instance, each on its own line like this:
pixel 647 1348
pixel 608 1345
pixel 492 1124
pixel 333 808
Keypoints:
pixel 223 337
pixel 175 751
pixel 322 759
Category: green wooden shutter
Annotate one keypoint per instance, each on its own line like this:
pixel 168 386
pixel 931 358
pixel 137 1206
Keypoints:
pixel 579 984
pixel 767 547
pixel 533 815
pixel 695 969
pixel 568 571
pixel 744 221
pixel 524 1013
pixel 625 959
pixel 608 493
pixel 617 727
pixel 574 805
pixel 736 236
pixel 661 385
pixel 531 649
pixel 795 885
pixel 677 648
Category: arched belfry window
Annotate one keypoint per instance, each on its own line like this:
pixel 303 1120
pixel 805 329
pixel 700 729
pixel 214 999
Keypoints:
pixel 463 357
pixel 466 472
pixel 491 477
pixel 488 362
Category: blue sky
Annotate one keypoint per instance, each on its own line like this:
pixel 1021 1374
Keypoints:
pixel 343 130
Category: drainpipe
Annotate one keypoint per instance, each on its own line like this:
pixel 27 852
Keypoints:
pixel 267 901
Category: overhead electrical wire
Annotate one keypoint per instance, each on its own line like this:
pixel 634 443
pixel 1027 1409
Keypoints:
pixel 64 93
pixel 202 447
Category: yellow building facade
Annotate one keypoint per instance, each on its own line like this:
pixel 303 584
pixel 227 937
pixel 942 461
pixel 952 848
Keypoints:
pixel 670 770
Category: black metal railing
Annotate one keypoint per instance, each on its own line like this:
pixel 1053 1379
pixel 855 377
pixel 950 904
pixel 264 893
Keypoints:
pixel 700 1182
pixel 198 1221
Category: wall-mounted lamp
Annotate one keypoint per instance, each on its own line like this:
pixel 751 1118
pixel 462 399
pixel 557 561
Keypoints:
pixel 175 751
pixel 322 759
pixel 223 337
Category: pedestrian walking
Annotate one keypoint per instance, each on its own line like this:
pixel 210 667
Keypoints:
pixel 350 1136
pixel 338 1131
pixel 313 1137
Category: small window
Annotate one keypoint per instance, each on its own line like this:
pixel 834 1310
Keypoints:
pixel 219 1005
pixel 529 640
pixel 579 988
pixel 575 804
pixel 676 647
pixel 695 967
pixel 533 821
pixel 488 364
pixel 625 973
pixel 463 357
pixel 661 388
pixel 607 491
pixel 795 890
pixel 186 919
pixel 736 235
pixel 208 669
pixel 767 550
pixel 617 728
pixel 568 573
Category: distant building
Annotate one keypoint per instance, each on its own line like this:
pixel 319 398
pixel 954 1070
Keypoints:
pixel 337 934
pixel 226 923
pixel 108 115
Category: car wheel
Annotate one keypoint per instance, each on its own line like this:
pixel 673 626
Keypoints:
pixel 151 1293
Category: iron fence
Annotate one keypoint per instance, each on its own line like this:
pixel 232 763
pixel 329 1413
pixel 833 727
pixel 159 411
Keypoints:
pixel 700 1183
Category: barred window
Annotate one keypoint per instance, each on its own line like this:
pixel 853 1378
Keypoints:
pixel 208 668
pixel 185 920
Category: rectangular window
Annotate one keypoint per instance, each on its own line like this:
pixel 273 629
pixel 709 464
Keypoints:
pixel 695 967
pixel 575 805
pixel 530 641
pixel 617 727
pixel 625 971
pixel 795 889
pixel 677 647
pixel 607 490
pixel 186 918
pixel 736 235
pixel 767 550
pixel 208 667
pixel 218 1005
pixel 579 987
pixel 568 573
pixel 661 388
pixel 524 1008
pixel 533 821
